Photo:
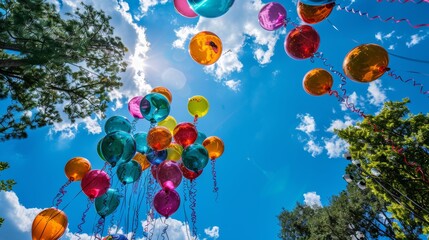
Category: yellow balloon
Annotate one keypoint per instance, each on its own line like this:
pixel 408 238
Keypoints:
pixel 76 168
pixel 366 63
pixel 169 122
pixel 174 152
pixel 205 48
pixel 198 106
pixel 214 146
pixel 317 82
pixel 164 91
pixel 49 224
pixel 142 160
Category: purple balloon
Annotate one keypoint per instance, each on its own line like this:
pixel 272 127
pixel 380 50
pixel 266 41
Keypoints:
pixel 272 16
pixel 169 171
pixel 134 107
pixel 183 8
pixel 166 202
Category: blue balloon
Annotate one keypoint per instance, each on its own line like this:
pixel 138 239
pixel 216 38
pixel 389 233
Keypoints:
pixel 100 154
pixel 141 142
pixel 107 203
pixel 118 146
pixel 195 157
pixel 129 172
pixel 116 237
pixel 155 107
pixel 117 123
pixel 316 2
pixel 210 8
pixel 156 157
pixel 200 138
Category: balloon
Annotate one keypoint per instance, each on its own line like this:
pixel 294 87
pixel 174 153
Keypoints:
pixel 214 146
pixel 182 7
pixel 317 82
pixel 366 63
pixel 156 157
pixel 188 174
pixel 169 171
pixel 134 107
pixel 198 106
pixel 185 134
pixel 272 16
pixel 155 107
pixel 50 223
pixel 95 183
pixel 100 154
pixel 168 185
pixel 195 157
pixel 141 159
pixel 174 152
pixel 302 42
pixel 166 202
pixel 317 2
pixel 210 8
pixel 129 172
pixel 117 123
pixel 154 171
pixel 170 123
pixel 164 91
pixel 159 138
pixel 116 237
pixel 141 142
pixel 107 203
pixel 205 48
pixel 76 168
pixel 118 146
pixel 313 14
pixel 201 137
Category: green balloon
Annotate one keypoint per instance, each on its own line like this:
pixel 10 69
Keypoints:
pixel 195 157
pixel 107 203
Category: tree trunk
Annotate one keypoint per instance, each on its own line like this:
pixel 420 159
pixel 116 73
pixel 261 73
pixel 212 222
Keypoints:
pixel 11 63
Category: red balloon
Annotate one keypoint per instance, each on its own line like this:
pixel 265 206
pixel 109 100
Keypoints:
pixel 189 174
pixel 95 183
pixel 169 171
pixel 185 134
pixel 154 171
pixel 302 42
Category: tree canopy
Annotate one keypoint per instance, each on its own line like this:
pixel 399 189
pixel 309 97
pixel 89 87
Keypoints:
pixel 5 185
pixel 50 64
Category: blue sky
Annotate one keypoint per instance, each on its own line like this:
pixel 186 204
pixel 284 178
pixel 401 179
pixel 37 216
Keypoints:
pixel 279 145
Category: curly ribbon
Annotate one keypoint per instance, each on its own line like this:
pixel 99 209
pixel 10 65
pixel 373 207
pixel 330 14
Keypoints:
pixel 79 227
pixel 133 125
pixel 140 198
pixel 365 14
pixel 99 228
pixel 185 199
pixel 164 233
pixel 415 83
pixel 150 221
pixel 193 205
pixel 405 1
pixel 215 187
pixel 58 199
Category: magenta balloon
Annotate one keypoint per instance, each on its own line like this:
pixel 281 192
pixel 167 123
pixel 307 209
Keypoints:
pixel 182 7
pixel 166 202
pixel 95 183
pixel 154 171
pixel 168 185
pixel 134 107
pixel 169 171
pixel 272 16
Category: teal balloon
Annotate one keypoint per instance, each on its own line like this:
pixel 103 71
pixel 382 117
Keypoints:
pixel 100 154
pixel 200 138
pixel 195 157
pixel 129 172
pixel 156 157
pixel 210 8
pixel 118 146
pixel 141 142
pixel 155 107
pixel 117 123
pixel 107 203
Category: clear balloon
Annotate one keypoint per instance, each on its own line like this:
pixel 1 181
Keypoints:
pixel 272 16
pixel 156 157
pixel 195 157
pixel 117 123
pixel 170 123
pixel 169 171
pixel 317 82
pixel 142 160
pixel 76 168
pixel 198 106
pixel 205 48
pixel 95 183
pixel 129 172
pixel 107 203
pixel 174 152
pixel 214 146
pixel 302 42
pixel 159 138
pixel 366 63
pixel 210 8
pixel 188 174
pixel 314 14
pixel 164 91
pixel 155 107
pixel 141 142
pixel 183 8
pixel 134 107
pixel 50 223
pixel 185 134
pixel 166 202
pixel 118 146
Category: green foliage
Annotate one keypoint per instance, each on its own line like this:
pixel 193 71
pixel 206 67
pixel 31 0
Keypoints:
pixel 48 63
pixel 5 185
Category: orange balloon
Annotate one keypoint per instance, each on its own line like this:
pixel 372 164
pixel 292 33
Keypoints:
pixel 317 82
pixel 164 91
pixel 49 224
pixel 205 48
pixel 313 14
pixel 76 168
pixel 214 146
pixel 366 63
pixel 142 160
pixel 159 138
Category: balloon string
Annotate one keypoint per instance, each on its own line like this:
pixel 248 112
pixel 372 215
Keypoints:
pixel 164 233
pixel 99 228
pixel 185 199
pixel 133 125
pixel 150 222
pixel 405 1
pixel 351 10
pixel 193 205
pixel 139 202
pixel 415 83
pixel 83 219
pixel 215 188
pixel 58 199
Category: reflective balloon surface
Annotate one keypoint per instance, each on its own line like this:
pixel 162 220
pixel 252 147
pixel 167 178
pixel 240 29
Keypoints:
pixel 164 91
pixel 129 172
pixel 76 168
pixel 142 160
pixel 272 16
pixel 210 8
pixel 155 107
pixel 134 107
pixel 174 152
pixel 170 123
pixel 183 8
pixel 118 146
pixel 156 157
pixel 166 202
pixel 317 82
pixel 117 123
pixel 188 174
pixel 198 106
pixel 214 146
pixel 302 42
pixel 141 142
pixel 195 157
pixel 185 134
pixel 169 171
pixel 205 48
pixel 313 14
pixel 108 202
pixel 95 183
pixel 50 223
pixel 317 2
pixel 159 138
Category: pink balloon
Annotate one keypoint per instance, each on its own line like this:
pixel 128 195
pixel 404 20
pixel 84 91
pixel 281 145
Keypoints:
pixel 134 107
pixel 95 183
pixel 166 202
pixel 272 16
pixel 168 185
pixel 182 7
pixel 169 171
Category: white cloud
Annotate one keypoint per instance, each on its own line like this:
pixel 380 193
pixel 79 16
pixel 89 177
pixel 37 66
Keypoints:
pixel 312 200
pixel 379 37
pixel 335 146
pixel 415 39
pixel 376 94
pixel 67 130
pixel 339 124
pixel 392 47
pixel 307 123
pixel 234 85
pixel 314 148
pixel 352 100
pixel 212 232
pixel 146 4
